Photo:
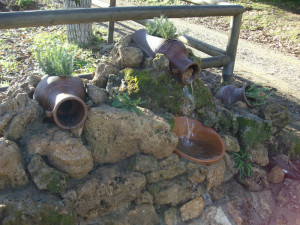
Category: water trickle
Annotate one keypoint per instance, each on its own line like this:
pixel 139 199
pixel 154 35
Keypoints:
pixel 188 94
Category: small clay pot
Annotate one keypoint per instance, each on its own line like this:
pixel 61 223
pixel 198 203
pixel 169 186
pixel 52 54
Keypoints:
pixel 195 131
pixel 62 98
pixel 230 94
pixel 174 50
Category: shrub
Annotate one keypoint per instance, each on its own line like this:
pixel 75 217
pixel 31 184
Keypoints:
pixel 162 27
pixel 257 94
pixel 124 102
pixel 55 61
pixel 243 164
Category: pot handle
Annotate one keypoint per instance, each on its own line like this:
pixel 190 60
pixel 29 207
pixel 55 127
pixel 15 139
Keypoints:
pixel 48 113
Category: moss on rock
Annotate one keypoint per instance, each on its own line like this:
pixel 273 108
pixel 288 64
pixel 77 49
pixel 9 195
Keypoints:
pixel 252 130
pixel 158 90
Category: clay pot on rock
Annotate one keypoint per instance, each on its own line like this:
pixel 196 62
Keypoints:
pixel 62 98
pixel 180 65
pixel 230 94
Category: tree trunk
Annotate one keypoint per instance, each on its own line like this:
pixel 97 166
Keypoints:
pixel 80 34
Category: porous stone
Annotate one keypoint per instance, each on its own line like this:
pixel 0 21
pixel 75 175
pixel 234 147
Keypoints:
pixel 143 163
pixel 123 55
pixel 144 215
pixel 231 143
pixel 259 154
pixel 252 130
pixel 45 177
pixel 216 193
pixel 25 85
pixel 278 114
pixel 214 174
pixel 32 207
pixel 193 172
pixel 171 217
pixel 63 151
pixel 173 191
pixel 16 113
pixel 160 62
pixel 107 189
pixel 276 175
pixel 144 198
pixel 192 209
pixel 208 116
pixel 212 215
pixel 96 94
pixel 12 173
pixel 167 169
pixel 114 134
pixel 227 121
pixel 102 72
pixel 289 195
pixel 263 204
pixel 230 170
pixel 258 181
pixel 240 210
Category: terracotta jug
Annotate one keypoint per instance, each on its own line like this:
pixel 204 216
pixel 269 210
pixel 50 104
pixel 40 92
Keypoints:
pixel 230 94
pixel 63 100
pixel 174 50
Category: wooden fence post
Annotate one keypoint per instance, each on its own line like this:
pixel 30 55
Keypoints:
pixel 111 25
pixel 231 49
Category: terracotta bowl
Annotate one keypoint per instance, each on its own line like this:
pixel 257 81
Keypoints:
pixel 201 134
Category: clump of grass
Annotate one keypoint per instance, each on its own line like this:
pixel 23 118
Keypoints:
pixel 162 27
pixel 55 60
pixel 25 3
pixel 243 164
pixel 257 94
pixel 124 102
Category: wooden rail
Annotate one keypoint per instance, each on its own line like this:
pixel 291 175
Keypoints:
pixel 74 16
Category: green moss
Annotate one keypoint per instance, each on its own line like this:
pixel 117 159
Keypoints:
pixel 202 94
pixel 154 189
pixel 253 130
pixel 54 218
pixel 56 181
pixel 295 152
pixel 156 89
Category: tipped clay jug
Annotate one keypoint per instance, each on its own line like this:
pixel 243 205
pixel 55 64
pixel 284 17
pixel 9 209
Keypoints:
pixel 180 65
pixel 62 98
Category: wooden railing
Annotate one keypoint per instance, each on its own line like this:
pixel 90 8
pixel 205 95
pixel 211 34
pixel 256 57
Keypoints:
pixel 74 16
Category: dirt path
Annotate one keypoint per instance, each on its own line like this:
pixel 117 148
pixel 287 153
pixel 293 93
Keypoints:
pixel 254 62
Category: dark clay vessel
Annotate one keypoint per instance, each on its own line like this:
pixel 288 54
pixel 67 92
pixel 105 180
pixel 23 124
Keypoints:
pixel 174 50
pixel 230 94
pixel 63 100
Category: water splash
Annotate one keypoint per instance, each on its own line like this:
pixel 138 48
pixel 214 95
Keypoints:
pixel 186 139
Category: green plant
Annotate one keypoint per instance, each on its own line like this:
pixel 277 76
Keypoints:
pixel 25 3
pixel 243 164
pixel 162 27
pixel 55 60
pixel 124 102
pixel 257 94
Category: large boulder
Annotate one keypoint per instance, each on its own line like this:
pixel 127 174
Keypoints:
pixel 174 192
pixel 31 207
pixel 63 151
pixel 107 189
pixel 252 130
pixel 16 113
pixel 167 169
pixel 114 134
pixel 12 172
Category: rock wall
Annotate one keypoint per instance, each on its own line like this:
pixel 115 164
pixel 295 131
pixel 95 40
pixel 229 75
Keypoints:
pixel 119 167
